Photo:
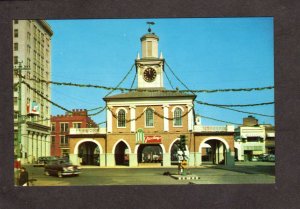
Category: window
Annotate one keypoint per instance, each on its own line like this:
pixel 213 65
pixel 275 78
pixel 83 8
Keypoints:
pixel 121 118
pixel 15 115
pixel 177 117
pixel 52 139
pixel 16 46
pixel 64 140
pixel 28 49
pixel 15 101
pixel 16 33
pixel 149 48
pixel 77 125
pixel 149 117
pixel 16 60
pixel 28 62
pixel 16 21
pixel 64 127
pixel 28 36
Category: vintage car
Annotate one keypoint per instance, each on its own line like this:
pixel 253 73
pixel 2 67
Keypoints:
pixel 42 161
pixel 61 168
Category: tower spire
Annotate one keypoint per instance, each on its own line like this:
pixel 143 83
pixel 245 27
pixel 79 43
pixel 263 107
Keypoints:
pixel 149 24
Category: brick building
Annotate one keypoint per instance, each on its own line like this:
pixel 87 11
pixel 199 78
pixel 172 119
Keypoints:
pixel 60 127
pixel 143 126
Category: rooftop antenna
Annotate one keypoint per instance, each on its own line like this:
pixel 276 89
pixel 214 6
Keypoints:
pixel 149 24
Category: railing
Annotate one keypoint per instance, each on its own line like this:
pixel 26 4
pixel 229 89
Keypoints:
pixel 87 130
pixel 200 128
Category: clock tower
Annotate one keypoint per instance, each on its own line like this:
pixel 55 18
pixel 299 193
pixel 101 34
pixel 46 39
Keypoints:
pixel 149 66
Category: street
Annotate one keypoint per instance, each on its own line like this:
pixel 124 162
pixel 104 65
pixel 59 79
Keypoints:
pixel 241 173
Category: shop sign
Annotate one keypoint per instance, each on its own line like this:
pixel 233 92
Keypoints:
pixel 33 108
pixel 153 139
pixel 142 139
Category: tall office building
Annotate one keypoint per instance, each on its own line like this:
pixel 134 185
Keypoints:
pixel 31 59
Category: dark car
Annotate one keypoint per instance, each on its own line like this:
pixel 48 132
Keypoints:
pixel 61 168
pixel 45 160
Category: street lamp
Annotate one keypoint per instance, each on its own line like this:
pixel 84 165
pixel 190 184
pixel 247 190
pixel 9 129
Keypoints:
pixel 20 119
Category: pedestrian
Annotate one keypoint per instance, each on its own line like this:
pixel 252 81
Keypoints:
pixel 23 180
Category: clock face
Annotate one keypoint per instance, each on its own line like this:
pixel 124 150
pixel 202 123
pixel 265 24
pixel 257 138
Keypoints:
pixel 149 74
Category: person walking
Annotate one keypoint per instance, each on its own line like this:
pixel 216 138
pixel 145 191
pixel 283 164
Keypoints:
pixel 23 180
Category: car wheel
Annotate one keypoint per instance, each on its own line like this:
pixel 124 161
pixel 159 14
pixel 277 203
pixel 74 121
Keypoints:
pixel 59 174
pixel 47 173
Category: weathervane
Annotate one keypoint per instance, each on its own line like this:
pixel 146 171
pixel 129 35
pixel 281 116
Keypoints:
pixel 149 24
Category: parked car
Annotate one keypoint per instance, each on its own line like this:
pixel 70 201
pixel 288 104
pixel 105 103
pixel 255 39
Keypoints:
pixel 271 158
pixel 254 158
pixel 263 157
pixel 61 168
pixel 45 160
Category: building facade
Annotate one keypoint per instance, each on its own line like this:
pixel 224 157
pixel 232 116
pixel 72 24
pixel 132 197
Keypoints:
pixel 32 60
pixel 143 126
pixel 60 128
pixel 253 139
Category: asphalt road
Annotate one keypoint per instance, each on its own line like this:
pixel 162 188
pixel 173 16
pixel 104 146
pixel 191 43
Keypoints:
pixel 242 173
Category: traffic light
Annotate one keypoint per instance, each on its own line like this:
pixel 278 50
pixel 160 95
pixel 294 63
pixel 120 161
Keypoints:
pixel 182 141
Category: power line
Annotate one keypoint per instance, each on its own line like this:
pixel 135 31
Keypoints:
pixel 153 90
pixel 42 96
pixel 236 105
pixel 179 79
pixel 252 113
pixel 218 120
pixel 120 81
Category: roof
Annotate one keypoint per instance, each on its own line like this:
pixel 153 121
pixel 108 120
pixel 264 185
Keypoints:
pixel 149 35
pixel 150 93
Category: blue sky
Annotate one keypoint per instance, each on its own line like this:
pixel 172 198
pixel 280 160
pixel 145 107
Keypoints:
pixel 205 53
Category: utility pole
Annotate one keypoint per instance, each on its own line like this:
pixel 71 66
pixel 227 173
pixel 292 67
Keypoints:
pixel 20 116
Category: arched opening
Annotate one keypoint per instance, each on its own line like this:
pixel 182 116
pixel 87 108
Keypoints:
pixel 150 154
pixel 213 151
pixel 174 154
pixel 122 154
pixel 236 154
pixel 207 155
pixel 89 153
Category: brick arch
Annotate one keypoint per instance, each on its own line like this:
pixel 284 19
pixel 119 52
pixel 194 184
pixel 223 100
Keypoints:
pixel 214 138
pixel 121 140
pixel 172 143
pixel 87 140
pixel 138 145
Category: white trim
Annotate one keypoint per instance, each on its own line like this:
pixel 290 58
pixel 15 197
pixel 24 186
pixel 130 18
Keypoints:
pixel 172 143
pixel 115 145
pixel 87 140
pixel 149 102
pixel 76 123
pixel 132 118
pixel 109 121
pixel 121 108
pixel 173 109
pixel 166 115
pixel 214 138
